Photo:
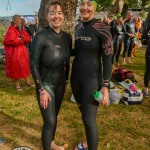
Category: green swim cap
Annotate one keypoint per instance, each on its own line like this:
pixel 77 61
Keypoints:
pixel 118 15
pixel 94 2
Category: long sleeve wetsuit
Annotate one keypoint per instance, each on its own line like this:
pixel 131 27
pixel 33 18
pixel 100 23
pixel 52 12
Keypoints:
pixel 118 31
pixel 146 35
pixel 50 53
pixel 130 28
pixel 93 41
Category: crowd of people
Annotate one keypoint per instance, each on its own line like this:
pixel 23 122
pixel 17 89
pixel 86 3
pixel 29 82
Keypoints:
pixel 98 45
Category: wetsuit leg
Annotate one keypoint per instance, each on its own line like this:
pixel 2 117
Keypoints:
pixel 126 46
pixel 88 109
pixel 119 50
pixel 59 94
pixel 50 114
pixel 147 70
pixel 116 47
pixel 76 89
pixel 130 47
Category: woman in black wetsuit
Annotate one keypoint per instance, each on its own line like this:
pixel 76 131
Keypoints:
pixel 118 31
pixel 130 32
pixel 146 35
pixel 93 50
pixel 50 53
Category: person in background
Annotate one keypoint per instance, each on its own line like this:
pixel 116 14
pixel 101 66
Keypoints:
pixel 118 31
pixel 17 58
pixel 146 35
pixel 33 28
pixel 50 56
pixel 130 33
pixel 25 27
pixel 138 26
pixel 93 43
pixel 112 22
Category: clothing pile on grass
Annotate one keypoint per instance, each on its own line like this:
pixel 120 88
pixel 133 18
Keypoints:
pixel 125 88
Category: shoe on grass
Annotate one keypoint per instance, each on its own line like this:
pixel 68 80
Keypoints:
pixel 146 94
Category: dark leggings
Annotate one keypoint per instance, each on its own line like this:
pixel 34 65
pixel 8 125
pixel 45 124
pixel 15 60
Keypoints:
pixel 50 114
pixel 82 92
pixel 128 46
pixel 117 49
pixel 147 70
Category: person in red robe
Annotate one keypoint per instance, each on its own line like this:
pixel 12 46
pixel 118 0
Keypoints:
pixel 17 58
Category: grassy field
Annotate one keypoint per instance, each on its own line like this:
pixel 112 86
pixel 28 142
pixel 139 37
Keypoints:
pixel 120 127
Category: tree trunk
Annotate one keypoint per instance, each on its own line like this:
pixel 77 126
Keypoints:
pixel 116 7
pixel 70 14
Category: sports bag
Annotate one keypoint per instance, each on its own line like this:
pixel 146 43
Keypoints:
pixel 132 94
pixel 121 74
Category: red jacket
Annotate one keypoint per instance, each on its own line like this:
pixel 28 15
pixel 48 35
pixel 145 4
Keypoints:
pixel 17 58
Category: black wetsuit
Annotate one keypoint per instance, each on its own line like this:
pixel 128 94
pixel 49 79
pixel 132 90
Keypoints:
pixel 130 27
pixel 50 53
pixel 118 32
pixel 112 27
pixel 93 41
pixel 146 35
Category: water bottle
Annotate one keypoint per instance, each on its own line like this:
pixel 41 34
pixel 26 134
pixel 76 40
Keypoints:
pixel 98 96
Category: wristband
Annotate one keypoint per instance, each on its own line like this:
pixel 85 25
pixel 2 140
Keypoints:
pixel 41 89
pixel 106 83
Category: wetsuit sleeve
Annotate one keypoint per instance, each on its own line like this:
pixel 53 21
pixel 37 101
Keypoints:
pixel 125 28
pixel 146 30
pixel 36 48
pixel 146 27
pixel 106 40
pixel 68 60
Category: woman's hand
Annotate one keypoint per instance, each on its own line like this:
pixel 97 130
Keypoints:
pixel 105 92
pixel 44 98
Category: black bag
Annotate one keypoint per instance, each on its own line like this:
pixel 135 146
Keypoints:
pixel 121 74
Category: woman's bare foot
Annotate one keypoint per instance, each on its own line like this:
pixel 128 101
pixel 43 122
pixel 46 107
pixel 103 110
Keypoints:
pixel 124 61
pixel 113 66
pixel 130 62
pixel 117 63
pixel 54 146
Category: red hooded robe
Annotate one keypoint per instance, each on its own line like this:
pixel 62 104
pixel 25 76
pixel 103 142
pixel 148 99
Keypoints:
pixel 17 58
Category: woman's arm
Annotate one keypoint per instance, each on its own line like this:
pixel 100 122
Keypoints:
pixel 36 48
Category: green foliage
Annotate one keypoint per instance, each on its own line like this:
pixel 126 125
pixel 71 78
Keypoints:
pixel 104 4
pixel 2 33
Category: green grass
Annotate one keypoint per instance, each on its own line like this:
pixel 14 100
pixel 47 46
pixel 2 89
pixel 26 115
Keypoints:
pixel 120 127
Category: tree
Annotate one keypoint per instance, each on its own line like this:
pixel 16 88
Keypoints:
pixel 116 7
pixel 70 13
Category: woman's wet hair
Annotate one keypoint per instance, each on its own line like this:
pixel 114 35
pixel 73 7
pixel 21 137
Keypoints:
pixel 54 3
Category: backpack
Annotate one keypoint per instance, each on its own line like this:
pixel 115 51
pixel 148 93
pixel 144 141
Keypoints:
pixel 121 74
pixel 132 94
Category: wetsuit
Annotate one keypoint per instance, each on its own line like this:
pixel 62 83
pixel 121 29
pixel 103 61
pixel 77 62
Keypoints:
pixel 92 41
pixel 130 27
pixel 146 35
pixel 111 27
pixel 50 53
pixel 117 43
